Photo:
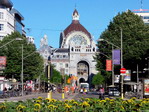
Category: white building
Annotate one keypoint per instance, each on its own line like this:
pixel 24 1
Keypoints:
pixel 75 55
pixel 10 19
pixel 30 39
pixel 144 14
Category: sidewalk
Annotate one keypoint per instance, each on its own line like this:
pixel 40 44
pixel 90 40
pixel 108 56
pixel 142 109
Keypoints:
pixel 56 95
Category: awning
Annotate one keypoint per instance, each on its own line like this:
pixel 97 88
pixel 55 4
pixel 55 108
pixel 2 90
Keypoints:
pixel 131 83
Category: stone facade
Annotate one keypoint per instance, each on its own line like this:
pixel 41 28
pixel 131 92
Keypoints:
pixel 76 52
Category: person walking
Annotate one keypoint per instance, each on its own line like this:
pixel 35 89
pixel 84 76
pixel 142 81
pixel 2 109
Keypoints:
pixel 101 93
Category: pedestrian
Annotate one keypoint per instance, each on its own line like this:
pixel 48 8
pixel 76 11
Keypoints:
pixel 5 89
pixel 101 93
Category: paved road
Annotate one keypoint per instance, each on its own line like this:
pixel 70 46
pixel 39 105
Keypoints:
pixel 55 95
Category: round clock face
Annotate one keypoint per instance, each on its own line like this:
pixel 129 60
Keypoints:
pixel 78 40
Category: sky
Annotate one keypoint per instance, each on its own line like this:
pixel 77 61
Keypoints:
pixel 51 17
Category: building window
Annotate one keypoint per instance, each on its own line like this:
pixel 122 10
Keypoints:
pixel 66 65
pixel 1 27
pixel 64 56
pixel 1 15
pixel 72 49
pixel 146 17
pixel 57 56
pixel 94 49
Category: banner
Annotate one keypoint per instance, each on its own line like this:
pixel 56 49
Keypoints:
pixel 2 60
pixel 2 63
pixel 116 56
pixel 127 76
pixel 108 65
pixel 146 86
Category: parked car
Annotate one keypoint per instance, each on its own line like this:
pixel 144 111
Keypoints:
pixel 113 91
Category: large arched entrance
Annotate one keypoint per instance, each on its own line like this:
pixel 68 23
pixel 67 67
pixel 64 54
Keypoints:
pixel 81 80
pixel 83 71
pixel 83 68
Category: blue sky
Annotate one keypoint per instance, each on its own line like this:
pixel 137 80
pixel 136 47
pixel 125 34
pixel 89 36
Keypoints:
pixel 51 17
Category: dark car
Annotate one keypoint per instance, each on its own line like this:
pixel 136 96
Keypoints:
pixel 112 91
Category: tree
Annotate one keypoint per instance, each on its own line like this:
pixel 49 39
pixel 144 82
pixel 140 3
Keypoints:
pixel 56 77
pixel 135 40
pixel 33 64
pixel 97 79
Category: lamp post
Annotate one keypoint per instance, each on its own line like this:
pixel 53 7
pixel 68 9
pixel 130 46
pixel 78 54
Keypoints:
pixel 112 60
pixel 121 48
pixel 10 42
pixel 22 75
pixel 122 77
pixel 105 55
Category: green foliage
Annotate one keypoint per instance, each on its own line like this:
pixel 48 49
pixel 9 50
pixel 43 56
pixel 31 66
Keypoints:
pixel 84 105
pixel 32 61
pixel 56 77
pixel 135 36
pixel 98 79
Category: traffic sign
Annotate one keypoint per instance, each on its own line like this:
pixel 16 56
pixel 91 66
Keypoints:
pixel 123 70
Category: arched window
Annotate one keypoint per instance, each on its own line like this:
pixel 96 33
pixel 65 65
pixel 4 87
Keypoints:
pixel 94 49
pixel 72 49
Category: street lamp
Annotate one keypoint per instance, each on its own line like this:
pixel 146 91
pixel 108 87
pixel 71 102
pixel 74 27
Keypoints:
pixel 122 76
pixel 112 60
pixel 22 75
pixel 109 43
pixel 105 55
pixel 10 42
pixel 121 48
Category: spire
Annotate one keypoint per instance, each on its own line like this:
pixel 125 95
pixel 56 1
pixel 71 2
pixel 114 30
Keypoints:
pixel 75 15
pixel 141 4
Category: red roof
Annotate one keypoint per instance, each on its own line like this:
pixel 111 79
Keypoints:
pixel 76 26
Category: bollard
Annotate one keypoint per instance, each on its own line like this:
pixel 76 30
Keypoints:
pixel 50 95
pixel 63 95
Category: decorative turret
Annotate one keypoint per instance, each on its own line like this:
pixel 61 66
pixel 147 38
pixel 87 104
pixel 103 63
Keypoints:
pixel 75 15
pixel 75 25
pixel 72 30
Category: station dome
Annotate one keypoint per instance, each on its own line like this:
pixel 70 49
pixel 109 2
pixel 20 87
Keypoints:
pixel 75 25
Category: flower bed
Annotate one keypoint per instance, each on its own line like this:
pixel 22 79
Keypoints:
pixel 84 105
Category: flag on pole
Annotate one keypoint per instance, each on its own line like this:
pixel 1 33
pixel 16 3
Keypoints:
pixel 108 65
pixel 116 56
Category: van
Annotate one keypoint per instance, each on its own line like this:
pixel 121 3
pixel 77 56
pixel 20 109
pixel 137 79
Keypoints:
pixel 84 86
